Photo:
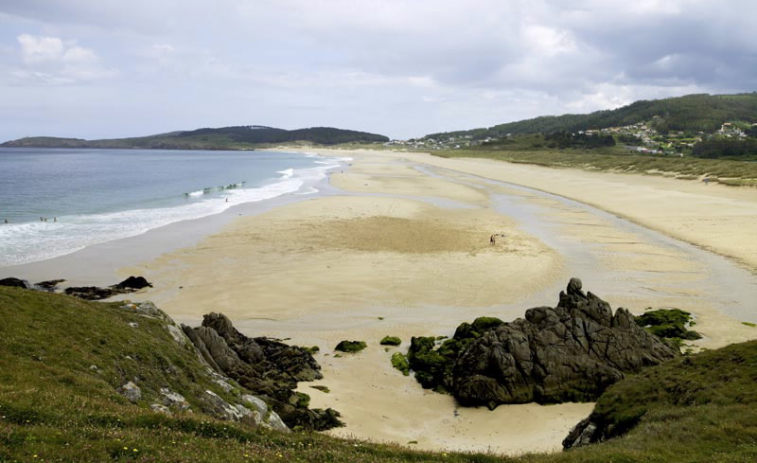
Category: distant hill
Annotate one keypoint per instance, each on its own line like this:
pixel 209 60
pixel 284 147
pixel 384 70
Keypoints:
pixel 694 113
pixel 225 138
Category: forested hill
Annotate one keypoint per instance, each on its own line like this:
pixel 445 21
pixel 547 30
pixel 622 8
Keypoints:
pixel 241 137
pixel 693 113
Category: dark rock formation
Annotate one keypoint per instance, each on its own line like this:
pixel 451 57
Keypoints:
pixel 267 367
pixel 49 285
pixel 94 293
pixel 133 283
pixel 584 433
pixel 571 352
pixel 90 293
pixel 15 283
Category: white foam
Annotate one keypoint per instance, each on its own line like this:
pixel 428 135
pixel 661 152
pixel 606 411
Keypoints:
pixel 35 241
pixel 288 173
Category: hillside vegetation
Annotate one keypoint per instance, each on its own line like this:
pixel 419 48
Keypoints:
pixel 692 113
pixel 61 360
pixel 226 138
pixel 727 172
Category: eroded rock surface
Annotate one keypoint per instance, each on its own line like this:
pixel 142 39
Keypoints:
pixel 267 367
pixel 571 352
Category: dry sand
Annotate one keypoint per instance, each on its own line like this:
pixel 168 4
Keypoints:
pixel 410 255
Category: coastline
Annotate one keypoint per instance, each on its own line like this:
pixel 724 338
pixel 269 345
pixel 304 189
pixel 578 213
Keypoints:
pixel 398 245
pixel 98 264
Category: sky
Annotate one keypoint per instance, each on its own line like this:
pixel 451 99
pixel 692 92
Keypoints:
pixel 402 68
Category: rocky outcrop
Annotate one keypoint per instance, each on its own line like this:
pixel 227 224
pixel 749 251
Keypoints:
pixel 49 285
pixel 267 367
pixel 571 352
pixel 586 432
pixel 16 283
pixel 95 293
pixel 133 284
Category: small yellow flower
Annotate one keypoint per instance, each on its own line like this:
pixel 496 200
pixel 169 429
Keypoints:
pixel 136 450
pixel 126 448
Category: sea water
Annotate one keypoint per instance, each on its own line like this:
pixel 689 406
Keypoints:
pixel 57 201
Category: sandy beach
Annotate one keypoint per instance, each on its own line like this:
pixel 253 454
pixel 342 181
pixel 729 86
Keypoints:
pixel 398 244
pixel 401 247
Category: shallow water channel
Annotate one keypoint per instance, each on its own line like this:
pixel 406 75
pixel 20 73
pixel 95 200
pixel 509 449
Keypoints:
pixel 622 262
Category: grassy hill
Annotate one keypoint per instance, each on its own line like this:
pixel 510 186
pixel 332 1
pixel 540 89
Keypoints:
pixel 61 360
pixel 226 138
pixel 692 113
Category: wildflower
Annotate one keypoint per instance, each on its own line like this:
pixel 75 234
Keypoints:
pixel 136 450
pixel 126 448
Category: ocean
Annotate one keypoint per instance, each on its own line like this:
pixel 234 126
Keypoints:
pixel 91 196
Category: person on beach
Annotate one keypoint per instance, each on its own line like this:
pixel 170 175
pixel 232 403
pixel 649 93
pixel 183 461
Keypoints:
pixel 493 240
pixel 706 180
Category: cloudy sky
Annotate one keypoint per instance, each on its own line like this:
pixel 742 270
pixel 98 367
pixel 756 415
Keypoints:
pixel 403 68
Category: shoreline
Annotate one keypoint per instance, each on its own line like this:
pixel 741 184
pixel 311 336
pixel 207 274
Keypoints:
pixel 398 245
pixel 98 264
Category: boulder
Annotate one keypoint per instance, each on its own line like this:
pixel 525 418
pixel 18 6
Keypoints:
pixel 133 283
pixel 131 391
pixel 174 400
pixel 218 408
pixel 350 346
pixel 157 408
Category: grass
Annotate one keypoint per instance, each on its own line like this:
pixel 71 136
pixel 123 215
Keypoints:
pixel 727 172
pixel 55 408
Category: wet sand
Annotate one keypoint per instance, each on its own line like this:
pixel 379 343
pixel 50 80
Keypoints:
pixel 398 244
pixel 401 247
